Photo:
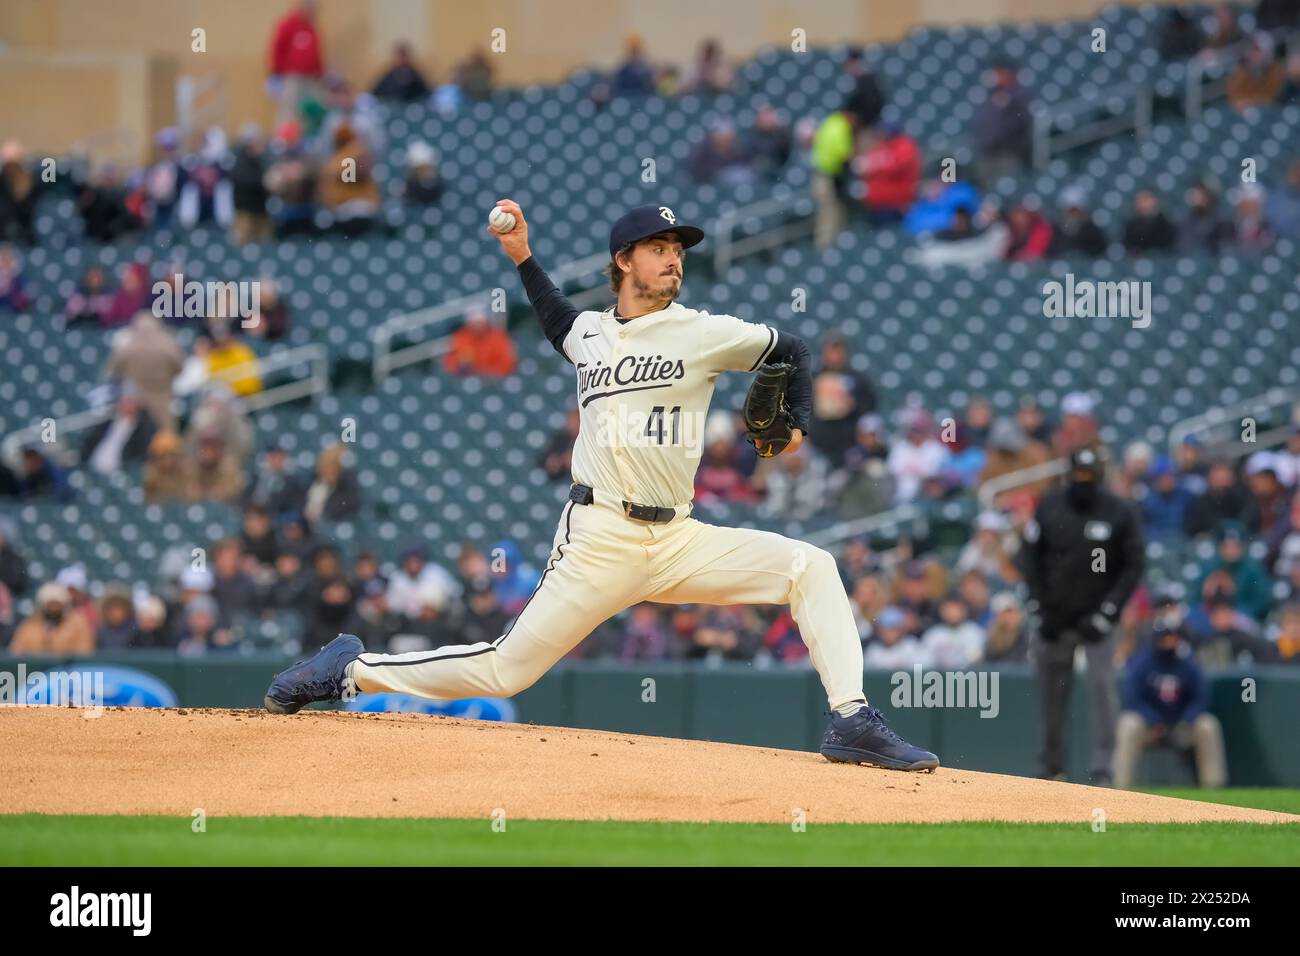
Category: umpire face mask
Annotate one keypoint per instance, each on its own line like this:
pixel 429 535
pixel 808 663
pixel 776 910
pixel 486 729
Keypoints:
pixel 1085 480
pixel 1082 493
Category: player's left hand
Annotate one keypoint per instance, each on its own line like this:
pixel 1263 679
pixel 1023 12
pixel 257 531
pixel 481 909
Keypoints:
pixel 796 439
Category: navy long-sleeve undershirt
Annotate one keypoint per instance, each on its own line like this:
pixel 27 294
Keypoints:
pixel 553 309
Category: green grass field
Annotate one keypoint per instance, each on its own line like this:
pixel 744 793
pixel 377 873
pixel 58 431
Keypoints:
pixel 36 840
pixel 1261 798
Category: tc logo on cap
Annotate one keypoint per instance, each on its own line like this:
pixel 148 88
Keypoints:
pixel 668 214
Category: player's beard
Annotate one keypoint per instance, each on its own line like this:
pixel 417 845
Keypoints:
pixel 662 293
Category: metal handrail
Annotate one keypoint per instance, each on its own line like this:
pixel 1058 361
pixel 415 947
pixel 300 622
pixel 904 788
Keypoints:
pixel 1021 476
pixel 385 358
pixel 593 295
pixel 1046 116
pixel 316 383
pixel 1204 422
pixel 12 446
pixel 1222 415
pixel 728 249
pixel 1263 441
pixel 856 527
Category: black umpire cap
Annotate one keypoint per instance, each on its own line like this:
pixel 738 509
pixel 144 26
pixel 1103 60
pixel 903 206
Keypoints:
pixel 646 221
pixel 1087 460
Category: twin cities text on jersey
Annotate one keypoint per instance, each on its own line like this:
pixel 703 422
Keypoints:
pixel 629 370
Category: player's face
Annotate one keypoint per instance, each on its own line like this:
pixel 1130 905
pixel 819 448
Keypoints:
pixel 657 267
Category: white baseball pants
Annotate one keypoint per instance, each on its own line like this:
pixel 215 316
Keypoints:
pixel 602 562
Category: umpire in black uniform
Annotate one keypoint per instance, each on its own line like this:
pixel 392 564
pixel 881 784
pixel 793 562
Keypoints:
pixel 1082 557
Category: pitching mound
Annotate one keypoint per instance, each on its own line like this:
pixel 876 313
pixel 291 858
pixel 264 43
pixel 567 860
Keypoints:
pixel 245 762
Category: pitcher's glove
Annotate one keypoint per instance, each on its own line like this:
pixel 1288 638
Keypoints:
pixel 767 417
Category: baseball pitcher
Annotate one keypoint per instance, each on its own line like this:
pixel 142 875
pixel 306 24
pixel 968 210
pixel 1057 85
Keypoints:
pixel 645 372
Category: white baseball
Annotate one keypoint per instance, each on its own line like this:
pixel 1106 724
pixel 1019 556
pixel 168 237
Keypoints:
pixel 500 220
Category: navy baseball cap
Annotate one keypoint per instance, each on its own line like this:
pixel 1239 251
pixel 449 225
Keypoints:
pixel 646 221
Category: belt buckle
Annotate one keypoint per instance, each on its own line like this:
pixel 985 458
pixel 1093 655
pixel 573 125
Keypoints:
pixel 627 508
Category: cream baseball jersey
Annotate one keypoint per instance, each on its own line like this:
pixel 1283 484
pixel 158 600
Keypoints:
pixel 644 387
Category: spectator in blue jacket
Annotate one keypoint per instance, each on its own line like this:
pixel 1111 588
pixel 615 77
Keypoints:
pixel 936 208
pixel 634 76
pixel 1164 501
pixel 41 477
pixel 513 578
pixel 1166 701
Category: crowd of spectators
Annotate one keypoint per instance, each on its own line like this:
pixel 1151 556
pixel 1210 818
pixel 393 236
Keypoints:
pixel 277 565
pixel 964 608
pixel 313 170
pixel 913 605
pixel 176 380
pixel 956 226
pixel 168 374
pixel 636 75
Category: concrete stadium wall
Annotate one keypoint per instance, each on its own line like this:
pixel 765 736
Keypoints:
pixel 786 709
pixel 73 68
pixel 109 104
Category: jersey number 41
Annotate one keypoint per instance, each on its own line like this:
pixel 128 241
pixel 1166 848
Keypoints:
pixel 654 426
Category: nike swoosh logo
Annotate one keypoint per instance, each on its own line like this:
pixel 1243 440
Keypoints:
pixel 587 335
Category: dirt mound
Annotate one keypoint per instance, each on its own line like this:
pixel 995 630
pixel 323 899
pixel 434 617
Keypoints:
pixel 245 762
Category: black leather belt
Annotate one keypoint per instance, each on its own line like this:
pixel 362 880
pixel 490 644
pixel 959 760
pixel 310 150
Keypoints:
pixel 584 495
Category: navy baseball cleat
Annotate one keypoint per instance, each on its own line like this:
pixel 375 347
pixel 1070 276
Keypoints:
pixel 318 678
pixel 864 737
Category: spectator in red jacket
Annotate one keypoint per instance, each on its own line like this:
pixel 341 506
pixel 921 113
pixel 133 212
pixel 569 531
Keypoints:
pixel 1030 235
pixel 782 640
pixel 296 60
pixel 480 347
pixel 891 173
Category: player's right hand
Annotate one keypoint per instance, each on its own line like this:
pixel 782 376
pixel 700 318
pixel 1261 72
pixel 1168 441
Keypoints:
pixel 514 242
